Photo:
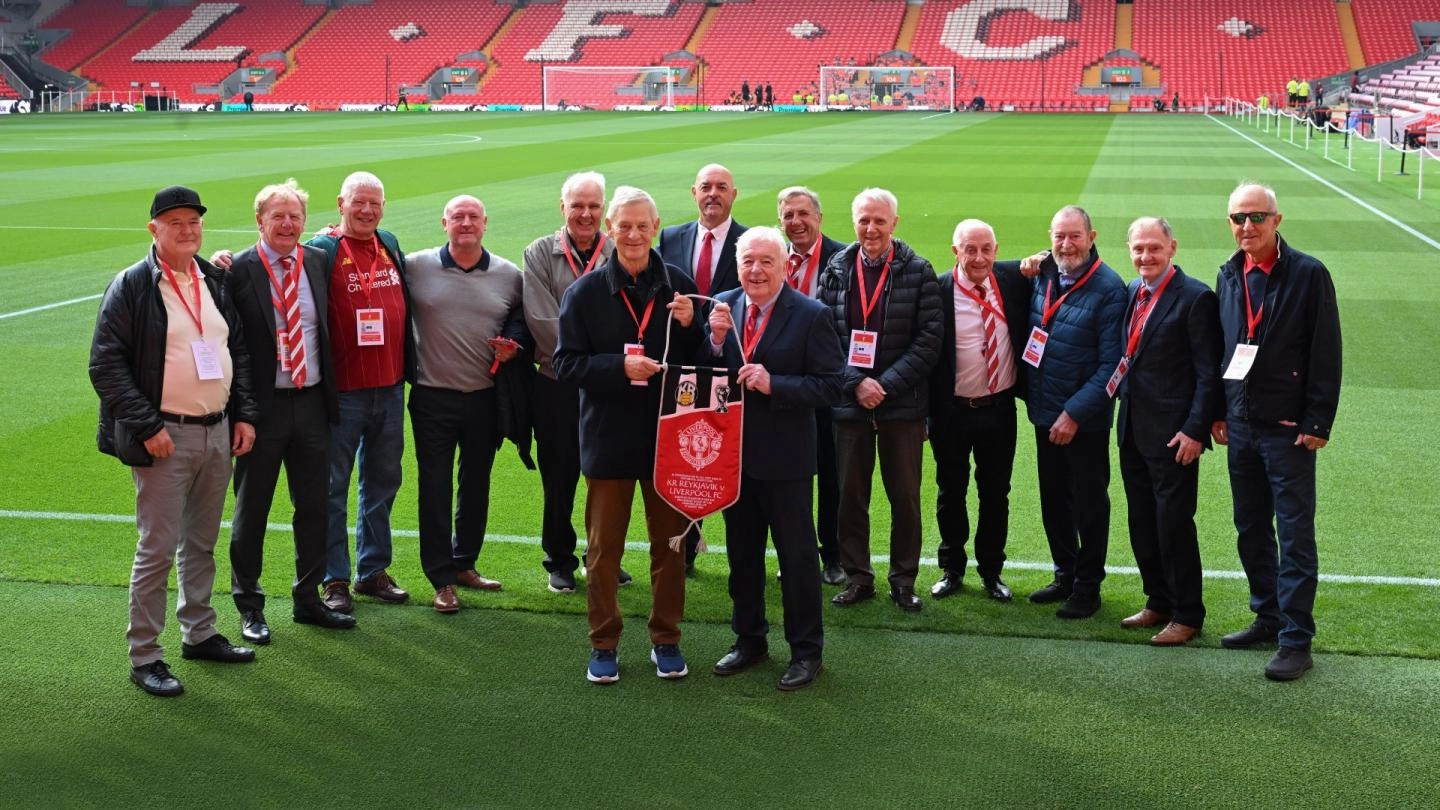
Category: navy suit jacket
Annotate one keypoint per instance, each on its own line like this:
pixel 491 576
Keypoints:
pixel 806 363
pixel 1174 380
pixel 249 286
pixel 677 248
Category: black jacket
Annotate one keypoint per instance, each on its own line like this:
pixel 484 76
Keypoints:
pixel 1296 375
pixel 127 359
pixel 1015 292
pixel 618 420
pixel 910 333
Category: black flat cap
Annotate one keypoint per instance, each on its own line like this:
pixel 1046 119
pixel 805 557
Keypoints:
pixel 175 197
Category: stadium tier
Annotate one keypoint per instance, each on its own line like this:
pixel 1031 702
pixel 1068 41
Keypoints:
pixel 1385 26
pixel 92 25
pixel 1239 48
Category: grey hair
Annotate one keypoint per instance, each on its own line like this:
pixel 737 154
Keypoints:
pixel 290 188
pixel 1150 222
pixel 579 179
pixel 968 224
pixel 763 234
pixel 359 180
pixel 629 195
pixel 879 195
pixel 788 194
pixel 1075 209
pixel 1249 184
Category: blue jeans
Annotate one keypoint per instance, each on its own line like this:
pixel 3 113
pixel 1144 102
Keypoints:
pixel 1272 482
pixel 372 422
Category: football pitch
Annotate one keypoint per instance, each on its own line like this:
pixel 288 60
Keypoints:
pixel 968 701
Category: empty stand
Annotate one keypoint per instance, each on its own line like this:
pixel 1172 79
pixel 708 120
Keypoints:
pixel 1259 45
pixel 1005 55
pixel 1384 26
pixel 93 24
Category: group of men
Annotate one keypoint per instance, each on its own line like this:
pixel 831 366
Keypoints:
pixel 297 355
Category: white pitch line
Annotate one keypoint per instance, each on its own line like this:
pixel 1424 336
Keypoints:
pixel 17 313
pixel 1322 181
pixel 518 539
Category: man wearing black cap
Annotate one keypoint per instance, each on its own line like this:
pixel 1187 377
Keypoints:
pixel 170 365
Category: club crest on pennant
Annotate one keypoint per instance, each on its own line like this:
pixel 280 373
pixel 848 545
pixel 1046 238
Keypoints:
pixel 700 445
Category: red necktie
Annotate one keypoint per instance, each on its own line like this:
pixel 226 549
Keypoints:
pixel 295 336
pixel 990 348
pixel 1142 305
pixel 753 322
pixel 702 267
pixel 797 263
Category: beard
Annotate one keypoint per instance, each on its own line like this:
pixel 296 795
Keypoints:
pixel 1069 267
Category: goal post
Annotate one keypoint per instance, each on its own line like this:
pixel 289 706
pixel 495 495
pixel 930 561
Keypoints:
pixel 596 87
pixel 887 87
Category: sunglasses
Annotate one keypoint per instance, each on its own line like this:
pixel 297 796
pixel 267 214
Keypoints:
pixel 1254 217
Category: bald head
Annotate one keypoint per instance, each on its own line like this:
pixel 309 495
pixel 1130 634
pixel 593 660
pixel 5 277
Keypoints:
pixel 464 222
pixel 714 192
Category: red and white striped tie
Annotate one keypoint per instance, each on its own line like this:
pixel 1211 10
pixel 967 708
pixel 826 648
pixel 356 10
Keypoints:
pixel 990 348
pixel 294 335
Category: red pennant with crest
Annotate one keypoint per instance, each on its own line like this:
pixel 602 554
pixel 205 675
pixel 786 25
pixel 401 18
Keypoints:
pixel 698 440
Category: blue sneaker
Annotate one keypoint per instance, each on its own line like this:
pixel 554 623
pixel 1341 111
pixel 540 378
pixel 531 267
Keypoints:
pixel 668 661
pixel 603 667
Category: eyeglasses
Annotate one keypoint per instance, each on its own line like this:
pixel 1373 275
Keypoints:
pixel 1255 217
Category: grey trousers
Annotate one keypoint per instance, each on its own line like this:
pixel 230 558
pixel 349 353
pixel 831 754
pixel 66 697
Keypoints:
pixel 899 445
pixel 178 502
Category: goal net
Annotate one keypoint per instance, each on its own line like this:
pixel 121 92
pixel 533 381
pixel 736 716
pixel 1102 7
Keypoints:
pixel 571 87
pixel 883 87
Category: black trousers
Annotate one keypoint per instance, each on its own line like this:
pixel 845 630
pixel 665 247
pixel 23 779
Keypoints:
pixel 1075 506
pixel 557 438
pixel 827 489
pixel 1161 497
pixel 988 434
pixel 295 433
pixel 780 509
pixel 443 421
pixel 899 446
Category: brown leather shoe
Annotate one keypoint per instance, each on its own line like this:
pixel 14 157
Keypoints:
pixel 1145 618
pixel 471 579
pixel 446 601
pixel 382 587
pixel 337 597
pixel 1174 635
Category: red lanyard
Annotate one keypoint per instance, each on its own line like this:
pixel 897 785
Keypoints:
pixel 981 300
pixel 640 324
pixel 813 260
pixel 195 279
pixel 1050 311
pixel 367 277
pixel 276 289
pixel 1139 319
pixel 1252 316
pixel 868 304
pixel 565 245
pixel 748 344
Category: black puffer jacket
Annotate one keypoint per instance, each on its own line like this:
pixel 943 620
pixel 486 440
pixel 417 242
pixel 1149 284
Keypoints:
pixel 127 359
pixel 910 333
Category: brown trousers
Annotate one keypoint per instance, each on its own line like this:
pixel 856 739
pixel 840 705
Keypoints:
pixel 608 503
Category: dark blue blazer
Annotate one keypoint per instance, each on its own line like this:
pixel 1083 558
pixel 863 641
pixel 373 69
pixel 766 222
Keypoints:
pixel 677 248
pixel 806 363
pixel 1174 380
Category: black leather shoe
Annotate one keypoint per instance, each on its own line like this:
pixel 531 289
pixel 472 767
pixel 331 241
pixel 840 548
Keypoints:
pixel 996 589
pixel 1256 635
pixel 1056 591
pixel 217 648
pixel 156 679
pixel 739 660
pixel 321 616
pixel 905 599
pixel 1288 664
pixel 834 574
pixel 948 584
pixel 853 594
pixel 1078 607
pixel 799 675
pixel 253 627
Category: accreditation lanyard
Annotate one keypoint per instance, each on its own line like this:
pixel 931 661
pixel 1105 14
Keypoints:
pixel 565 246
pixel 749 342
pixel 276 288
pixel 1140 318
pixel 1252 316
pixel 813 262
pixel 365 275
pixel 868 304
pixel 640 323
pixel 1050 310
pixel 175 285
pixel 981 300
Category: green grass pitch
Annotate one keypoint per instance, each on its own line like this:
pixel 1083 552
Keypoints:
pixel 968 701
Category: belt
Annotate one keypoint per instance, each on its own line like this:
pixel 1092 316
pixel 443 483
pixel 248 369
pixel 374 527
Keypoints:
pixel 976 402
pixel 181 419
